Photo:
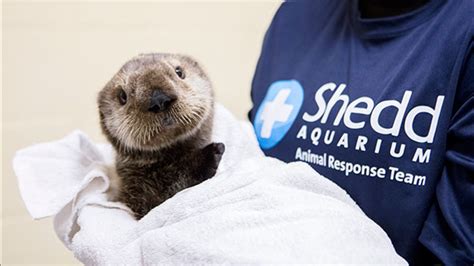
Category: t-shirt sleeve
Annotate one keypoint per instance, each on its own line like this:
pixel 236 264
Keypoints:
pixel 448 231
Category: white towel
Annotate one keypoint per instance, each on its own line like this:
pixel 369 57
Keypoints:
pixel 255 210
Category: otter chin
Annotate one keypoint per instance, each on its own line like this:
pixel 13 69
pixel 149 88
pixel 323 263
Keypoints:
pixel 157 113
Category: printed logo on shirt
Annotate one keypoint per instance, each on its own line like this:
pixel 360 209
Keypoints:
pixel 334 120
pixel 277 112
pixel 346 108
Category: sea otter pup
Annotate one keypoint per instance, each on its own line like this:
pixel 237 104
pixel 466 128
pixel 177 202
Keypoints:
pixel 157 112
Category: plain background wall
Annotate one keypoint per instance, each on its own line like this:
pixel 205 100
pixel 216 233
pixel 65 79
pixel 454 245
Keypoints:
pixel 58 55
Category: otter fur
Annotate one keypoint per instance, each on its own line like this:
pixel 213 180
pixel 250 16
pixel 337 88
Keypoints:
pixel 157 112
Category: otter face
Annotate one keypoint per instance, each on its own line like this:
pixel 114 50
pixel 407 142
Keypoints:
pixel 155 100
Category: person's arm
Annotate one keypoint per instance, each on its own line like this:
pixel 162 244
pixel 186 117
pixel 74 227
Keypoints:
pixel 449 229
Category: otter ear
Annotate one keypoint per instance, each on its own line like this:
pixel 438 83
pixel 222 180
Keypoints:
pixel 188 60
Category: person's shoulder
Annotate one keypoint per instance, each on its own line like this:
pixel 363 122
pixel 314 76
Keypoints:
pixel 460 13
pixel 452 24
pixel 463 16
pixel 466 5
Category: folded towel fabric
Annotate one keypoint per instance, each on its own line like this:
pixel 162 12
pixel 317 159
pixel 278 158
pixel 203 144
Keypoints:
pixel 255 210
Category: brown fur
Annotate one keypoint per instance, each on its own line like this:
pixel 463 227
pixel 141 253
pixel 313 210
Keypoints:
pixel 159 154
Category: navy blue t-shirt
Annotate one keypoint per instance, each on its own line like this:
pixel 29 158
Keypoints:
pixel 384 108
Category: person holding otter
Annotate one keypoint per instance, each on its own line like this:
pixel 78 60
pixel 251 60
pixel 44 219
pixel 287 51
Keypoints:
pixel 378 96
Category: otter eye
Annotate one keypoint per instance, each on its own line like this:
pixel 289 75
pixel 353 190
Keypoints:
pixel 122 97
pixel 179 71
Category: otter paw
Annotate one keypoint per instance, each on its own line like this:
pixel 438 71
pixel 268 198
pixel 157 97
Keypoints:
pixel 212 157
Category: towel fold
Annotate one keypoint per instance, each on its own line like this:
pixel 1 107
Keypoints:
pixel 255 210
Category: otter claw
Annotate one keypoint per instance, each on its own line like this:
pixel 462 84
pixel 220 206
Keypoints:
pixel 213 154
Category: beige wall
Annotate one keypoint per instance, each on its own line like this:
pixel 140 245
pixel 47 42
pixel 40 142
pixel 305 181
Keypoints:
pixel 56 56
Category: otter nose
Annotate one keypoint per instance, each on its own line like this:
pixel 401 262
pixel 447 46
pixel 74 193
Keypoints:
pixel 160 101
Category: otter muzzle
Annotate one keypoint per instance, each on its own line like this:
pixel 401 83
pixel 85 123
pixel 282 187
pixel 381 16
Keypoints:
pixel 160 101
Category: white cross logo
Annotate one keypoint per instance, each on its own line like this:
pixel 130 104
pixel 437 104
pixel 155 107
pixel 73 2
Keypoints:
pixel 275 111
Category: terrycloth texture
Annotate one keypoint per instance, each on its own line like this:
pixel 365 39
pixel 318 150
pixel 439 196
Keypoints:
pixel 255 210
